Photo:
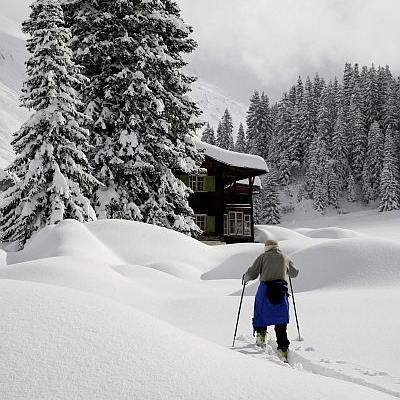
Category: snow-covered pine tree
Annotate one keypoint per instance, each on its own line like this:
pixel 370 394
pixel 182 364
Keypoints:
pixel 52 174
pixel 351 189
pixel 347 88
pixel 372 97
pixel 144 122
pixel 309 113
pixel 359 134
pixel 225 132
pixel 252 122
pixel 390 104
pixel 340 151
pixel 333 183
pixel 297 134
pixel 373 163
pixel 389 189
pixel 319 84
pixel 273 144
pixel 267 206
pixel 311 168
pixel 321 164
pixel 241 145
pixel 326 117
pixel 264 128
pixel 208 135
pixel 259 125
pixel 282 156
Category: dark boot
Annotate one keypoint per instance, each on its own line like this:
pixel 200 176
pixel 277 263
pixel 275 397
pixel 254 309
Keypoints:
pixel 281 337
pixel 260 338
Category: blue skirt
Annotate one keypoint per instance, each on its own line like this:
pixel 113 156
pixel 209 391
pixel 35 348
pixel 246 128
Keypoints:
pixel 266 313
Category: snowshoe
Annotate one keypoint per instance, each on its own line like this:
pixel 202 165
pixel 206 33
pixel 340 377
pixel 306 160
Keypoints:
pixel 260 339
pixel 283 355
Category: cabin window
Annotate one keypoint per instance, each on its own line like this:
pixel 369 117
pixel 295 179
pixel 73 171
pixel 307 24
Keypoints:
pixel 197 183
pixel 201 221
pixel 226 224
pixel 247 225
pixel 236 223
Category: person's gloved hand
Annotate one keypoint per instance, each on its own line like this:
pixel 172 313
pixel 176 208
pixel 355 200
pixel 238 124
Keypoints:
pixel 245 279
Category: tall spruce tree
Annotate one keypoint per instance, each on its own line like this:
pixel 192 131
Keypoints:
pixel 340 151
pixel 241 145
pixel 252 122
pixel 326 117
pixel 267 206
pixel 359 134
pixel 389 189
pixel 143 121
pixel 264 128
pixel 309 117
pixel 372 97
pixel 321 173
pixel 259 123
pixel 373 163
pixel 282 149
pixel 52 174
pixel 225 132
pixel 208 135
pixel 351 189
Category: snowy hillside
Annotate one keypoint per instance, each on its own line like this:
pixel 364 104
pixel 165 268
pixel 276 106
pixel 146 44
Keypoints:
pixel 213 104
pixel 124 309
pixel 12 57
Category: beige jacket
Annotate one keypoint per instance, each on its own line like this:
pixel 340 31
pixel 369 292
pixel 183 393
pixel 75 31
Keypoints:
pixel 271 265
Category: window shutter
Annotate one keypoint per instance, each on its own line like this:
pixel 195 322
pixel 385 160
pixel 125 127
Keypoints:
pixel 210 183
pixel 185 179
pixel 210 224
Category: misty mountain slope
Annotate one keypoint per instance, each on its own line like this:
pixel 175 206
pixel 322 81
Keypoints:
pixel 213 104
pixel 12 72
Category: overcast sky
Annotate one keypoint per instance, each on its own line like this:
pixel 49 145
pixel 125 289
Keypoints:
pixel 265 44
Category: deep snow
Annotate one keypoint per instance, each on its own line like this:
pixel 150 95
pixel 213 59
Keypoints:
pixel 118 309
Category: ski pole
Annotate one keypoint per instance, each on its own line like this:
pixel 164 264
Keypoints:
pixel 237 321
pixel 295 310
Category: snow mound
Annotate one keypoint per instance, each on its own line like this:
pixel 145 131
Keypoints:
pixel 328 233
pixel 118 242
pixel 150 245
pixel 343 263
pixel 64 344
pixel 68 238
pixel 262 233
pixel 235 262
pixel 354 262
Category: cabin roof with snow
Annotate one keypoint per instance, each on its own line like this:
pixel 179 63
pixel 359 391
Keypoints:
pixel 245 182
pixel 234 159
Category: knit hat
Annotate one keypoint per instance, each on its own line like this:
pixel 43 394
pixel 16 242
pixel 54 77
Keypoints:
pixel 269 243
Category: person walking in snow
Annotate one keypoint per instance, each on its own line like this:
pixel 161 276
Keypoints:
pixel 271 305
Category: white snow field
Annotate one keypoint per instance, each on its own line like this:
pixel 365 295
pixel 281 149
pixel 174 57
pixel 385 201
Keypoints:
pixel 125 310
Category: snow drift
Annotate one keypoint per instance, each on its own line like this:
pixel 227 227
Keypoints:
pixel 79 346
pixel 118 309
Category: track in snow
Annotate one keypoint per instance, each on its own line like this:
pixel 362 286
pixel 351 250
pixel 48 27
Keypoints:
pixel 299 358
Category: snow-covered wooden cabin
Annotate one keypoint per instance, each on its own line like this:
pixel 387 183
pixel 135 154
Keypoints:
pixel 222 198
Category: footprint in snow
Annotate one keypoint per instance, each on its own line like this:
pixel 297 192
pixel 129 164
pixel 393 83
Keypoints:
pixel 325 360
